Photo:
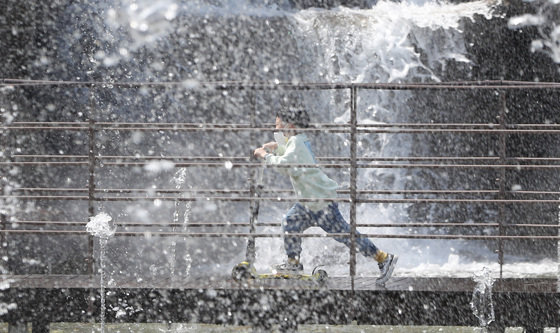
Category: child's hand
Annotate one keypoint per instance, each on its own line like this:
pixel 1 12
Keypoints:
pixel 271 146
pixel 259 152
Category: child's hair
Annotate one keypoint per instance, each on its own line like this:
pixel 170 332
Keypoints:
pixel 297 116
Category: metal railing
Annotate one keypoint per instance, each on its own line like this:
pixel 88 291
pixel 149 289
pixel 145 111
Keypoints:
pixel 350 195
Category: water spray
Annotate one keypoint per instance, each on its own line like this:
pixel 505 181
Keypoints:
pixel 100 226
pixel 481 303
pixel 179 179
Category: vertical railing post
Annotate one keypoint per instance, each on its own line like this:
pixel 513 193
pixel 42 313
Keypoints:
pixel 91 196
pixel 353 181
pixel 502 180
pixel 91 188
pixel 253 187
pixel 4 241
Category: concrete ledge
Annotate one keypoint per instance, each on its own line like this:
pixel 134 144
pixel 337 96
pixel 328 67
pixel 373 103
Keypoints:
pixel 530 303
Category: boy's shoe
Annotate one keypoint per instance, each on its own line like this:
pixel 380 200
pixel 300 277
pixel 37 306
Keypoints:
pixel 386 267
pixel 291 266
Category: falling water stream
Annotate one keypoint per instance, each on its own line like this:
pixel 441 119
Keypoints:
pixel 179 179
pixel 481 303
pixel 100 226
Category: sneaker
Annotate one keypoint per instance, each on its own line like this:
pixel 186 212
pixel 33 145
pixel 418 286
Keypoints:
pixel 386 267
pixel 291 266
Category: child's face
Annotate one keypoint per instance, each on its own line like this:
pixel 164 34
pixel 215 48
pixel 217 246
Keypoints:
pixel 284 127
pixel 279 123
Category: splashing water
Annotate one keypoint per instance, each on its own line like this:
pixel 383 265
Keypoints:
pixel 5 308
pixel 392 42
pixel 545 20
pixel 100 226
pixel 179 180
pixel 406 41
pixel 144 20
pixel 187 257
pixel 481 303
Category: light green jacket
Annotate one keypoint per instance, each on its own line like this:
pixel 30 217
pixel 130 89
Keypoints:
pixel 308 182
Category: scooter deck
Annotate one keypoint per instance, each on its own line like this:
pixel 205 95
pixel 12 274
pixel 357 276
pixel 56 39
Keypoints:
pixel 244 271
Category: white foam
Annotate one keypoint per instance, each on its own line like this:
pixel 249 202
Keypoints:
pixel 159 166
pixel 465 269
pixel 99 226
pixel 5 307
pixel 525 20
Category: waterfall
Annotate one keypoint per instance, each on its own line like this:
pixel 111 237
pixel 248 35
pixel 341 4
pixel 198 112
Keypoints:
pixel 407 41
pixel 392 42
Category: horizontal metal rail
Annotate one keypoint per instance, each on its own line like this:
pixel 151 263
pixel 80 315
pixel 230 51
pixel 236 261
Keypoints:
pixel 208 194
pixel 278 224
pixel 270 126
pixel 499 197
pixel 186 159
pixel 247 159
pixel 237 162
pixel 149 234
pixel 318 165
pixel 267 191
pixel 275 191
pixel 278 85
pixel 283 199
pixel 403 128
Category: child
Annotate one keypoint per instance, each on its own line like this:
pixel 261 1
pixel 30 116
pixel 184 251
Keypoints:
pixel 294 148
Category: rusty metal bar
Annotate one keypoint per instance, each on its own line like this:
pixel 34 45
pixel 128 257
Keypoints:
pixel 159 125
pixel 277 235
pixel 241 199
pixel 131 157
pixel 91 184
pixel 359 130
pixel 81 160
pixel 102 124
pixel 4 252
pixel 90 258
pixel 278 224
pixel 176 129
pixel 320 165
pixel 246 159
pixel 502 180
pixel 353 181
pixel 269 126
pixel 44 163
pixel 274 191
pixel 254 193
pixel 275 85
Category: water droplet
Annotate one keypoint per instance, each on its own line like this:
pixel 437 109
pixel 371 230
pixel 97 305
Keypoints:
pixel 191 84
